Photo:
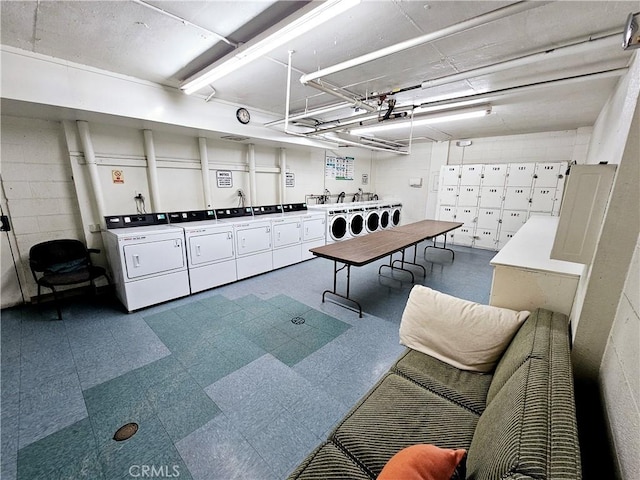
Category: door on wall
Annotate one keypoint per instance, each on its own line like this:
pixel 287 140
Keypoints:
pixel 10 287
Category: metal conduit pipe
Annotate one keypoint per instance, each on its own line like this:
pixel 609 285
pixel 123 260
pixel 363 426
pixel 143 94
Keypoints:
pixel 488 96
pixel 92 166
pixel 204 163
pixel 152 170
pixel 310 113
pixel 576 48
pixel 251 153
pixel 497 14
pixel 353 101
pixel 283 175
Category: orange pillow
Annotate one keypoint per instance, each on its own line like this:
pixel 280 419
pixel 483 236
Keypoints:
pixel 425 462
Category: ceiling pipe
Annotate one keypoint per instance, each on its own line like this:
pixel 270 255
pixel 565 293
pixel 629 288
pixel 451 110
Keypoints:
pixel 573 49
pixel 310 78
pixel 309 113
pixel 356 143
pixel 356 102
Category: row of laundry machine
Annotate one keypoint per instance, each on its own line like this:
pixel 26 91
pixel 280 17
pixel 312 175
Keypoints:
pixel 162 256
pixel 348 220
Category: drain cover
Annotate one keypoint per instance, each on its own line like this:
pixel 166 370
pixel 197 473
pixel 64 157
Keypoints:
pixel 125 432
pixel 297 320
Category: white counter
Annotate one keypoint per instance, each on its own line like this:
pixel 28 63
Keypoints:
pixel 524 275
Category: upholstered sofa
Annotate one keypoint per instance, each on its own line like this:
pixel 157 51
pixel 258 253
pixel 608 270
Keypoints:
pixel 516 422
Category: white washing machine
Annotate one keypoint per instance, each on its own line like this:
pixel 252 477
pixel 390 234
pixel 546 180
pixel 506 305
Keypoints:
pixel 147 258
pixel 211 258
pixel 384 210
pixel 372 217
pixel 355 220
pixel 395 215
pixel 335 222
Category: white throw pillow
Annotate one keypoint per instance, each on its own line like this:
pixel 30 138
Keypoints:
pixel 465 334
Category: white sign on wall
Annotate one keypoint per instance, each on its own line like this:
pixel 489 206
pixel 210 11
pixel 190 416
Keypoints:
pixel 339 168
pixel 290 179
pixel 224 178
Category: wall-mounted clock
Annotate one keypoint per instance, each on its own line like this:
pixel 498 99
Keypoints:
pixel 242 114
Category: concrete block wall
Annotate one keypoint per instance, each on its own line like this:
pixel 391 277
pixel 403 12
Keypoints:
pixel 39 188
pixel 620 375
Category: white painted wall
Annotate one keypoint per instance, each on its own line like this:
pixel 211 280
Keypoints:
pixel 620 375
pixel 37 180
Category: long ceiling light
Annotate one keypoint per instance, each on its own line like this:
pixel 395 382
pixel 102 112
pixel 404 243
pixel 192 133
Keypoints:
pixel 443 116
pixel 284 32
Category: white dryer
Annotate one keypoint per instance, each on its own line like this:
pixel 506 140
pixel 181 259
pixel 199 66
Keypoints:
pixel 211 258
pixel 147 258
pixel 286 230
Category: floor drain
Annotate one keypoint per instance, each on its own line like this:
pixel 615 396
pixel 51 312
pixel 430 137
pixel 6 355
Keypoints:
pixel 297 320
pixel 125 432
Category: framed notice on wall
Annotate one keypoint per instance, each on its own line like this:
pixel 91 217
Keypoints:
pixel 224 178
pixel 290 179
pixel 339 168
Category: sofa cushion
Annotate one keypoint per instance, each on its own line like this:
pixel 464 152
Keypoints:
pixel 465 334
pixel 397 413
pixel 528 429
pixel 468 389
pixel 329 462
pixel 531 341
pixel 425 462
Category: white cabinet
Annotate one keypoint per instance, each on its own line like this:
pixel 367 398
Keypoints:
pixel 526 278
pixel 494 200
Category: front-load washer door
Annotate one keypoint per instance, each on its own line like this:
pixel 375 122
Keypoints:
pixel 338 227
pixel 356 224
pixel 384 219
pixel 373 222
pixel 153 258
pixel 395 217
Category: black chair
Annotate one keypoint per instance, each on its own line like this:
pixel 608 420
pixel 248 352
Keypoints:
pixel 59 263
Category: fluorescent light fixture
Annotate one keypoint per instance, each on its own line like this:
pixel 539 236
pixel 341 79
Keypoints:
pixel 285 31
pixel 443 116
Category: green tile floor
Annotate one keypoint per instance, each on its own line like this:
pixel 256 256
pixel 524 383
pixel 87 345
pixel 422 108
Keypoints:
pixel 208 340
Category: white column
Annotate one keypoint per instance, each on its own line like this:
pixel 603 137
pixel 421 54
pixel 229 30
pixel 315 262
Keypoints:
pixel 204 162
pixel 92 166
pixel 251 150
pixel 283 175
pixel 152 170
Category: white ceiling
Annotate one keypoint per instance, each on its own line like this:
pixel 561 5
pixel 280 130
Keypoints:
pixel 131 37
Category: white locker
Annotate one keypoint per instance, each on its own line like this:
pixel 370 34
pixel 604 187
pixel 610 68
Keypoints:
pixel 491 196
pixel 512 220
pixel 548 174
pixel 448 195
pixel 517 198
pixel 464 236
pixel 520 174
pixel 153 258
pixel 542 199
pixel 503 237
pixel 466 215
pixel 494 175
pixel 447 213
pixel 211 247
pixel 468 196
pixel 488 218
pixel 486 238
pixel 470 174
pixel 449 175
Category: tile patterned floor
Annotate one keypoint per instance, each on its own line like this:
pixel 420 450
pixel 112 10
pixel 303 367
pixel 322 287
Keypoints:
pixel 222 384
